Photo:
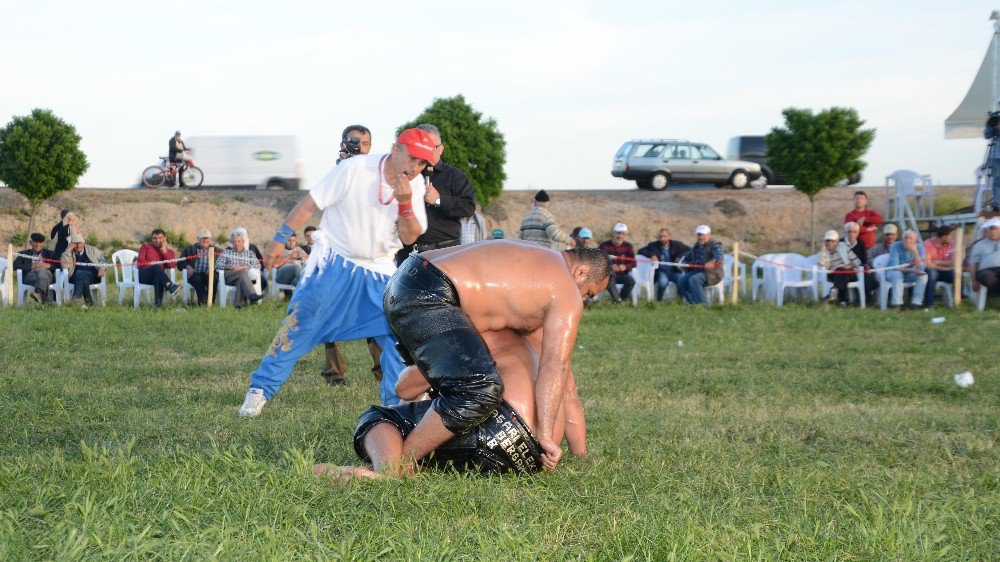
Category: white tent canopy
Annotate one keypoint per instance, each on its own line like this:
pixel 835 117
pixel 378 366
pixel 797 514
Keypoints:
pixel 967 121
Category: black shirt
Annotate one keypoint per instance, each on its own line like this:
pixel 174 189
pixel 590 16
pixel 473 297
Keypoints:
pixel 458 200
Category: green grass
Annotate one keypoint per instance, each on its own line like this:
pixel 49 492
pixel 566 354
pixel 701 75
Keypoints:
pixel 800 433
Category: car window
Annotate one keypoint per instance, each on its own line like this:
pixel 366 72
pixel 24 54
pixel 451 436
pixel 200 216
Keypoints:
pixel 754 146
pixel 623 151
pixel 707 152
pixel 695 152
pixel 649 150
pixel 682 152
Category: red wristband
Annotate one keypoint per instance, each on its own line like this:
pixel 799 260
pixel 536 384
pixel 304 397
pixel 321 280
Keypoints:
pixel 406 209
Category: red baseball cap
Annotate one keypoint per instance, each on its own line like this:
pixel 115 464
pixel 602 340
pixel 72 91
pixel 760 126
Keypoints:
pixel 417 143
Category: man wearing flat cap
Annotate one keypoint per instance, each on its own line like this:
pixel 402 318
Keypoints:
pixel 195 263
pixel 372 205
pixel 540 226
pixel 37 266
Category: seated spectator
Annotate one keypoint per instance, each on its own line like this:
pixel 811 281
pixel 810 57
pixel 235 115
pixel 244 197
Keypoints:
pixel 623 261
pixel 837 256
pixel 708 254
pixel 290 263
pixel 890 233
pixel 497 234
pixel 82 264
pixel 308 233
pixel 241 268
pixel 260 260
pixel 196 263
pixel 909 253
pixel 663 249
pixel 37 266
pixel 852 232
pixel 155 274
pixel 940 264
pixel 984 259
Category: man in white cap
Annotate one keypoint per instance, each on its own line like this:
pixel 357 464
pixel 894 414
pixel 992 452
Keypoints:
pixel 371 206
pixel 195 262
pixel 84 267
pixel 622 262
pixel 984 260
pixel 838 258
pixel 706 256
pixel 890 233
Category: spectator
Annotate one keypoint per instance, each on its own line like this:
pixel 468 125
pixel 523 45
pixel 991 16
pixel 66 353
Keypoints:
pixel 497 234
pixel 890 234
pixel 984 258
pixel 663 249
pixel 473 228
pixel 708 254
pixel 260 260
pixel 155 274
pixel 852 237
pixel 910 254
pixel 83 267
pixel 585 238
pixel 68 225
pixel 37 266
pixel 867 219
pixel 177 154
pixel 837 256
pixel 195 259
pixel 540 226
pixel 940 265
pixel 622 261
pixel 290 263
pixel 241 268
pixel 308 233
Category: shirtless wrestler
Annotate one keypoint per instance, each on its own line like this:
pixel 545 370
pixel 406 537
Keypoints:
pixel 503 443
pixel 438 303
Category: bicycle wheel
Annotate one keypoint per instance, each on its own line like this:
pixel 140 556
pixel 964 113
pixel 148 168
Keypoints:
pixel 153 177
pixel 192 177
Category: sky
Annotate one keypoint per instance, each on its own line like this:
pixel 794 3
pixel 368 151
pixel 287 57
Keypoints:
pixel 566 82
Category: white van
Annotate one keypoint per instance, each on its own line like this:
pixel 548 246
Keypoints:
pixel 259 162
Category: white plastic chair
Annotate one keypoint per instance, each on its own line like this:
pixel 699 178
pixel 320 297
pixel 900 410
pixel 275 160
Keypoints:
pixel 727 274
pixel 644 274
pixel 758 275
pixel 273 286
pixel 884 286
pixel 127 276
pixel 910 184
pixel 224 292
pixel 800 274
pixel 23 288
pixel 66 288
pixel 981 298
pixel 4 298
pixel 716 292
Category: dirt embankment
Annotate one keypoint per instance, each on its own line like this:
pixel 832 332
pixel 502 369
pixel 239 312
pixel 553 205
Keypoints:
pixel 774 219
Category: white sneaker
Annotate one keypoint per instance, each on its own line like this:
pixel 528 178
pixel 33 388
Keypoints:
pixel 253 403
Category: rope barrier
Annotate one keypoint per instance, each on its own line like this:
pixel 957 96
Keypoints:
pixel 828 271
pixel 237 259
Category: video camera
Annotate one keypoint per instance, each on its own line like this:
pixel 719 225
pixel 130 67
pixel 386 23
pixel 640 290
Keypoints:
pixel 351 146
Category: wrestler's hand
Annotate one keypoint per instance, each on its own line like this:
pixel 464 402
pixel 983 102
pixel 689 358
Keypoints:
pixel 553 452
pixel 272 253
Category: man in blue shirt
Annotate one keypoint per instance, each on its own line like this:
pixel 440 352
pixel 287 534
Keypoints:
pixel 910 253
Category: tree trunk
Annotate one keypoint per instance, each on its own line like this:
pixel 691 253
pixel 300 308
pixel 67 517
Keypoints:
pixel 812 223
pixel 31 218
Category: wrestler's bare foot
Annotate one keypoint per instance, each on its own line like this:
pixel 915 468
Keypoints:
pixel 345 474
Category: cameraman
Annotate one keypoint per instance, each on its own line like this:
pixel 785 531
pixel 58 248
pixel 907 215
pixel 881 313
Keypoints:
pixel 992 132
pixel 355 140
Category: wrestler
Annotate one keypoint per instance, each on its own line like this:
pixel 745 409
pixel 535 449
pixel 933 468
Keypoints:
pixel 503 443
pixel 439 302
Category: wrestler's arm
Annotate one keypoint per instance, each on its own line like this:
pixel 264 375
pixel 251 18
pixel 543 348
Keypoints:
pixel 412 383
pixel 560 326
pixel 295 220
pixel 576 423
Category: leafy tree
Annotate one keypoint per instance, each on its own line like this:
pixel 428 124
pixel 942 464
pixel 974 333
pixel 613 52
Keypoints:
pixel 472 144
pixel 816 151
pixel 40 156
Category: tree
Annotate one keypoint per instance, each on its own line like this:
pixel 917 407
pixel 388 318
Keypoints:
pixel 472 144
pixel 817 151
pixel 40 156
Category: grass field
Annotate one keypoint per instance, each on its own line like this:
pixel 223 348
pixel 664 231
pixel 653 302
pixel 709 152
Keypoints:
pixel 800 433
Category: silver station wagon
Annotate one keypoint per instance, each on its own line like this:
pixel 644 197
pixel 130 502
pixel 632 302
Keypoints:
pixel 656 163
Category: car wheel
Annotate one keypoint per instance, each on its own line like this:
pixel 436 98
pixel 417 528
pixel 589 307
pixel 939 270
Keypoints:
pixel 739 179
pixel 658 181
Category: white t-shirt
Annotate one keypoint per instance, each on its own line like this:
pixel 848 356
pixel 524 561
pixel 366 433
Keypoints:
pixel 355 224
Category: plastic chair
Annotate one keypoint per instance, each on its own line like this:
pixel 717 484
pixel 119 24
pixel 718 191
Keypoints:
pixel 273 286
pixel 66 288
pixel 4 298
pixel 727 274
pixel 758 275
pixel 23 288
pixel 644 274
pixel 223 292
pixel 981 298
pixel 800 274
pixel 911 184
pixel 884 286
pixel 127 276
pixel 716 292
